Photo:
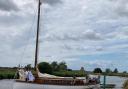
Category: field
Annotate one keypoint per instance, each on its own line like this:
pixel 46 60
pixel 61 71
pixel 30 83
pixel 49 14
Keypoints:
pixel 7 73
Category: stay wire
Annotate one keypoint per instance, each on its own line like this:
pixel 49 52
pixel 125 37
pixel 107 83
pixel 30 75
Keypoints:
pixel 28 38
pixel 25 48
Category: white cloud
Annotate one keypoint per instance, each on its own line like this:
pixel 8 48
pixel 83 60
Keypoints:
pixel 118 34
pixel 51 2
pixel 86 35
pixel 68 28
pixel 8 5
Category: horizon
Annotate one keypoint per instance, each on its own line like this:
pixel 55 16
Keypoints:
pixel 85 33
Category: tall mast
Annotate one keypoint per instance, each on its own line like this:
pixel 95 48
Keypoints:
pixel 37 35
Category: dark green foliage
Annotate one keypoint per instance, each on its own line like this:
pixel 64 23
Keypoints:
pixel 54 66
pixel 59 69
pixel 7 76
pixel 115 71
pixel 45 67
pixel 70 73
pixel 108 70
pixel 7 73
pixel 125 72
pixel 28 67
pixel 58 66
pixel 62 66
pixel 97 70
pixel 69 69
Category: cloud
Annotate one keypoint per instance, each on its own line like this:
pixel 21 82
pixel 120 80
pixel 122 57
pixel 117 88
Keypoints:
pixel 74 28
pixel 121 7
pixel 90 64
pixel 8 5
pixel 86 35
pixel 122 33
pixel 51 2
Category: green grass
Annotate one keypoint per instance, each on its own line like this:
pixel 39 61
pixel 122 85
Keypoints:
pixel 70 73
pixel 7 73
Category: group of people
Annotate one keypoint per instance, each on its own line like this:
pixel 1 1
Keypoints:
pixel 26 75
pixel 94 79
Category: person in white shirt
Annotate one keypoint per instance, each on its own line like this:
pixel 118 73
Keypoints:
pixel 26 75
pixel 31 78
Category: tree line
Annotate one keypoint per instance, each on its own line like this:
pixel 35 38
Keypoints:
pixel 46 67
pixel 107 70
pixel 60 69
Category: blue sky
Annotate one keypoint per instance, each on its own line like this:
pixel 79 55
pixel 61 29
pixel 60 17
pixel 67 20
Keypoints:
pixel 89 33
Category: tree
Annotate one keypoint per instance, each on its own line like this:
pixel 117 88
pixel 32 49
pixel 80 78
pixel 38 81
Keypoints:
pixel 97 70
pixel 28 67
pixel 62 66
pixel 82 69
pixel 124 71
pixel 108 70
pixel 54 66
pixel 45 67
pixel 115 71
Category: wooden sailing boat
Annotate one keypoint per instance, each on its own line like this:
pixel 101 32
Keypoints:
pixel 51 79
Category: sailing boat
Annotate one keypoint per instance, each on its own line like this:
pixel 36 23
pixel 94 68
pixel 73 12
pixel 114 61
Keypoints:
pixel 59 82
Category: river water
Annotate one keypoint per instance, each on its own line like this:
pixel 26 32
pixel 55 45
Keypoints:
pixel 114 80
pixel 11 84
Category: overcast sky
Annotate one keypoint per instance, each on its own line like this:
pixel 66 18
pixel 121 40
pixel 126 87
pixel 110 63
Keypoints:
pixel 89 33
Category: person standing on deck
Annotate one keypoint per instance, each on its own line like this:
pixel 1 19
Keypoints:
pixel 21 74
pixel 26 75
pixel 31 78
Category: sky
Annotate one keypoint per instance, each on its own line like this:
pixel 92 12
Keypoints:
pixel 88 33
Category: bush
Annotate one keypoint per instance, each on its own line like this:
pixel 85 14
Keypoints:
pixel 97 70
pixel 45 67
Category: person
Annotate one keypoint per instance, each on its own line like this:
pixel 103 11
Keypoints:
pixel 21 74
pixel 31 78
pixel 26 75
pixel 74 79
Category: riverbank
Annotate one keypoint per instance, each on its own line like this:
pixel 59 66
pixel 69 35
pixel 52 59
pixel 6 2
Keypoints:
pixel 10 73
pixel 112 74
pixel 7 73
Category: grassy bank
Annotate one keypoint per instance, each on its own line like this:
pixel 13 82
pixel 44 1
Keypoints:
pixel 7 73
pixel 117 74
pixel 114 74
pixel 10 73
pixel 72 73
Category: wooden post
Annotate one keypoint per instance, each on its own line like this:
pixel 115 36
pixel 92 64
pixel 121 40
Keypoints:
pixel 104 84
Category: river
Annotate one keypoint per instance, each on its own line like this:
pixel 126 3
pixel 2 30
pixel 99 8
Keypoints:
pixel 114 80
pixel 10 84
